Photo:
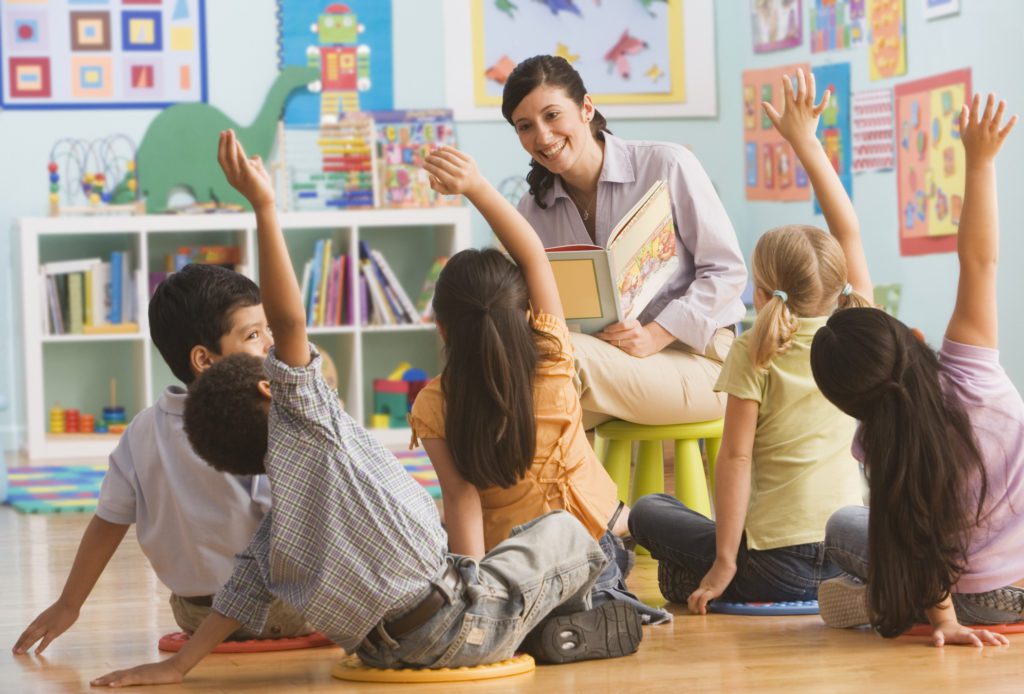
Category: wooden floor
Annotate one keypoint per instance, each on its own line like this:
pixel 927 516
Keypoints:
pixel 128 612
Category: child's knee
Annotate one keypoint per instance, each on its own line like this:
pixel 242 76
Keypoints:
pixel 646 515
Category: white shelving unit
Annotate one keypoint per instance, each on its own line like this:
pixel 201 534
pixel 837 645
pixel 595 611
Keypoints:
pixel 410 239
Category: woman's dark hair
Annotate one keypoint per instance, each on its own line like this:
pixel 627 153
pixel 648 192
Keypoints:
pixel 920 454
pixel 491 354
pixel 554 72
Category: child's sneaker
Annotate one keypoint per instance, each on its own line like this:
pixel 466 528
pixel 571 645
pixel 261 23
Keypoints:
pixel 610 630
pixel 843 603
pixel 675 582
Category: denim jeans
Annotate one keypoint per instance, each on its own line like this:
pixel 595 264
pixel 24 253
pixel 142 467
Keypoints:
pixel 611 584
pixel 547 566
pixel 846 542
pixel 675 534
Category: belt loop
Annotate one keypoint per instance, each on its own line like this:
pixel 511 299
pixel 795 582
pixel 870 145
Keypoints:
pixel 385 637
pixel 441 585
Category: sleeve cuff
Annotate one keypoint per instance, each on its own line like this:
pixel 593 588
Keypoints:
pixel 689 326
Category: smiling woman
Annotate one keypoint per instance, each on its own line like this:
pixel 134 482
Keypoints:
pixel 582 181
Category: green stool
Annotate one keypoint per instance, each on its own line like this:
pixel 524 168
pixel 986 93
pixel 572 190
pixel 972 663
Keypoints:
pixel 691 484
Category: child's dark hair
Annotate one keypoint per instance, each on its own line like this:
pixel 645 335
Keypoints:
pixel 555 72
pixel 925 472
pixel 491 354
pixel 226 416
pixel 193 307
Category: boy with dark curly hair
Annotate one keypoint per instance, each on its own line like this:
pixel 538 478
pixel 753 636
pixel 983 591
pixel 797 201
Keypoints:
pixel 190 520
pixel 352 541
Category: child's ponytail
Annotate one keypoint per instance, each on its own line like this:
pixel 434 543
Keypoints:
pixel 773 330
pixel 848 298
pixel 491 354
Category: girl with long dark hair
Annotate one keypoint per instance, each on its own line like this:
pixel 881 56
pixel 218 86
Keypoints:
pixel 502 424
pixel 942 442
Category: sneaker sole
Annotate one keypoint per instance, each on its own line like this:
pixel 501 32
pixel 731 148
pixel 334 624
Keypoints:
pixel 611 630
pixel 843 604
pixel 675 583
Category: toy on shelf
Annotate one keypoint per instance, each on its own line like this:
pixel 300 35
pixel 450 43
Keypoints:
pixel 98 177
pixel 333 166
pixel 71 421
pixel 404 139
pixel 393 396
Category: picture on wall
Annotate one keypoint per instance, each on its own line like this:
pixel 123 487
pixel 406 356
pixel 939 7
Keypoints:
pixel 834 124
pixel 350 44
pixel 930 161
pixel 772 171
pixel 872 128
pixel 836 24
pixel 887 39
pixel 641 58
pixel 776 24
pixel 933 9
pixel 66 54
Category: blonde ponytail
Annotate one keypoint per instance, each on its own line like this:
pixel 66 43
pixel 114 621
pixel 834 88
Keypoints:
pixel 773 330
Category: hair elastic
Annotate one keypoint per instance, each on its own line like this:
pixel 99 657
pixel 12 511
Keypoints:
pixel 847 289
pixel 781 294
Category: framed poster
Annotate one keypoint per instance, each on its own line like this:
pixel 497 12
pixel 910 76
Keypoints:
pixel 930 161
pixel 66 54
pixel 637 59
pixel 776 24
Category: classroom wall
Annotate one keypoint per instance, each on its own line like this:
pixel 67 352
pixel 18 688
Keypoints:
pixel 241 43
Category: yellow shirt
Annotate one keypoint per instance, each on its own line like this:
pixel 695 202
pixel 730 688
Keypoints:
pixel 565 473
pixel 801 466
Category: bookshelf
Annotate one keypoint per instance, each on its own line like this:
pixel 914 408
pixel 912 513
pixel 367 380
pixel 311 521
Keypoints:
pixel 75 370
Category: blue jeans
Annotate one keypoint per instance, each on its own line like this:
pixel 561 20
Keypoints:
pixel 846 542
pixel 677 535
pixel 547 566
pixel 611 584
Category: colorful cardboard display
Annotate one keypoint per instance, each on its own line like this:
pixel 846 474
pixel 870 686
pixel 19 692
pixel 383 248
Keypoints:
pixel 930 161
pixel 837 24
pixel 776 24
pixel 834 124
pixel 887 38
pixel 66 54
pixel 772 171
pixel 872 131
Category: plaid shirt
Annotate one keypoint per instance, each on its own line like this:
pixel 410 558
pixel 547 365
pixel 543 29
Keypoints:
pixel 351 538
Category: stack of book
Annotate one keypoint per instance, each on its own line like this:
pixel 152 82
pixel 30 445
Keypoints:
pixel 325 289
pixel 89 296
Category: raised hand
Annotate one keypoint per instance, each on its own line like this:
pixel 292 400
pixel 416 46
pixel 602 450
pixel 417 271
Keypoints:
pixel 51 623
pixel 246 174
pixel 799 117
pixel 452 172
pixel 980 131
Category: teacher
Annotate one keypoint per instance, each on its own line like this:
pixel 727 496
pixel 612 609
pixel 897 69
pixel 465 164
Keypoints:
pixel 662 368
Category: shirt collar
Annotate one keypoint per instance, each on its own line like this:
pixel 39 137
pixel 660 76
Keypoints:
pixel 173 401
pixel 616 168
pixel 809 326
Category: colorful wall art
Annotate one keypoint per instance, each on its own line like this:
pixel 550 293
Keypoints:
pixel 834 124
pixel 836 24
pixel 872 127
pixel 887 39
pixel 930 161
pixel 776 24
pixel 772 171
pixel 130 54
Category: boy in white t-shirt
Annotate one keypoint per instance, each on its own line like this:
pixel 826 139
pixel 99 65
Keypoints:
pixel 190 519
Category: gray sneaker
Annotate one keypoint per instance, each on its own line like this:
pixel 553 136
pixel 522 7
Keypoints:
pixel 675 582
pixel 843 603
pixel 609 630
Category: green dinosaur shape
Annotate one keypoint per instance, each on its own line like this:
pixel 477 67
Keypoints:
pixel 178 149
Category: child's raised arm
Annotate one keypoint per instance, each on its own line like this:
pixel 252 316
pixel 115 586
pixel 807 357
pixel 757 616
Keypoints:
pixel 975 320
pixel 279 290
pixel 452 172
pixel 797 123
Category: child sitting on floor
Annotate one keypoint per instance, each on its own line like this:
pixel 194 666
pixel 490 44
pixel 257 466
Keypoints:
pixel 942 442
pixel 352 541
pixel 785 464
pixel 509 444
pixel 190 520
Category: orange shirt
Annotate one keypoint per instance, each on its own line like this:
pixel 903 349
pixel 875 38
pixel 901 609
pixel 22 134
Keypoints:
pixel 565 473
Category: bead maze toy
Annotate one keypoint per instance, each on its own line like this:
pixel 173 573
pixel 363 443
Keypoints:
pixel 99 176
pixel 393 396
pixel 71 421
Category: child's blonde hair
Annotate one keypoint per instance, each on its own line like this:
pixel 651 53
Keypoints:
pixel 803 269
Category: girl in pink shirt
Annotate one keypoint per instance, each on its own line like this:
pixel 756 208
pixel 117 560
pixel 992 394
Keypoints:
pixel 942 442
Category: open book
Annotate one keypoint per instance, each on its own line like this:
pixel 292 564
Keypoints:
pixel 601 286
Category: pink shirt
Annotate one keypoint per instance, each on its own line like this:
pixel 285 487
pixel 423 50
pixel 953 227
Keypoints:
pixel 996 555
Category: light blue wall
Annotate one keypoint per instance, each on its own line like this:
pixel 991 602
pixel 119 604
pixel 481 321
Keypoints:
pixel 985 36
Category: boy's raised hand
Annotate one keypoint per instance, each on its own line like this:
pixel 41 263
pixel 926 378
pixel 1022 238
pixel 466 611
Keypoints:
pixel 245 174
pixel 799 117
pixel 980 131
pixel 453 172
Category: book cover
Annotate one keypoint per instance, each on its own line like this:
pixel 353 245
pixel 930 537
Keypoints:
pixel 314 282
pixel 64 267
pixel 601 286
pixel 100 293
pixel 87 302
pixel 62 303
pixel 412 315
pixel 325 271
pixel 116 286
pixel 305 287
pixel 76 302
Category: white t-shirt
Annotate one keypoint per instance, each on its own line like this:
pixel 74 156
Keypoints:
pixel 190 519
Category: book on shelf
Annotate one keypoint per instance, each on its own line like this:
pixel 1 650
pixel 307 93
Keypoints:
pixel 324 287
pixel 389 303
pixel 82 297
pixel 600 286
